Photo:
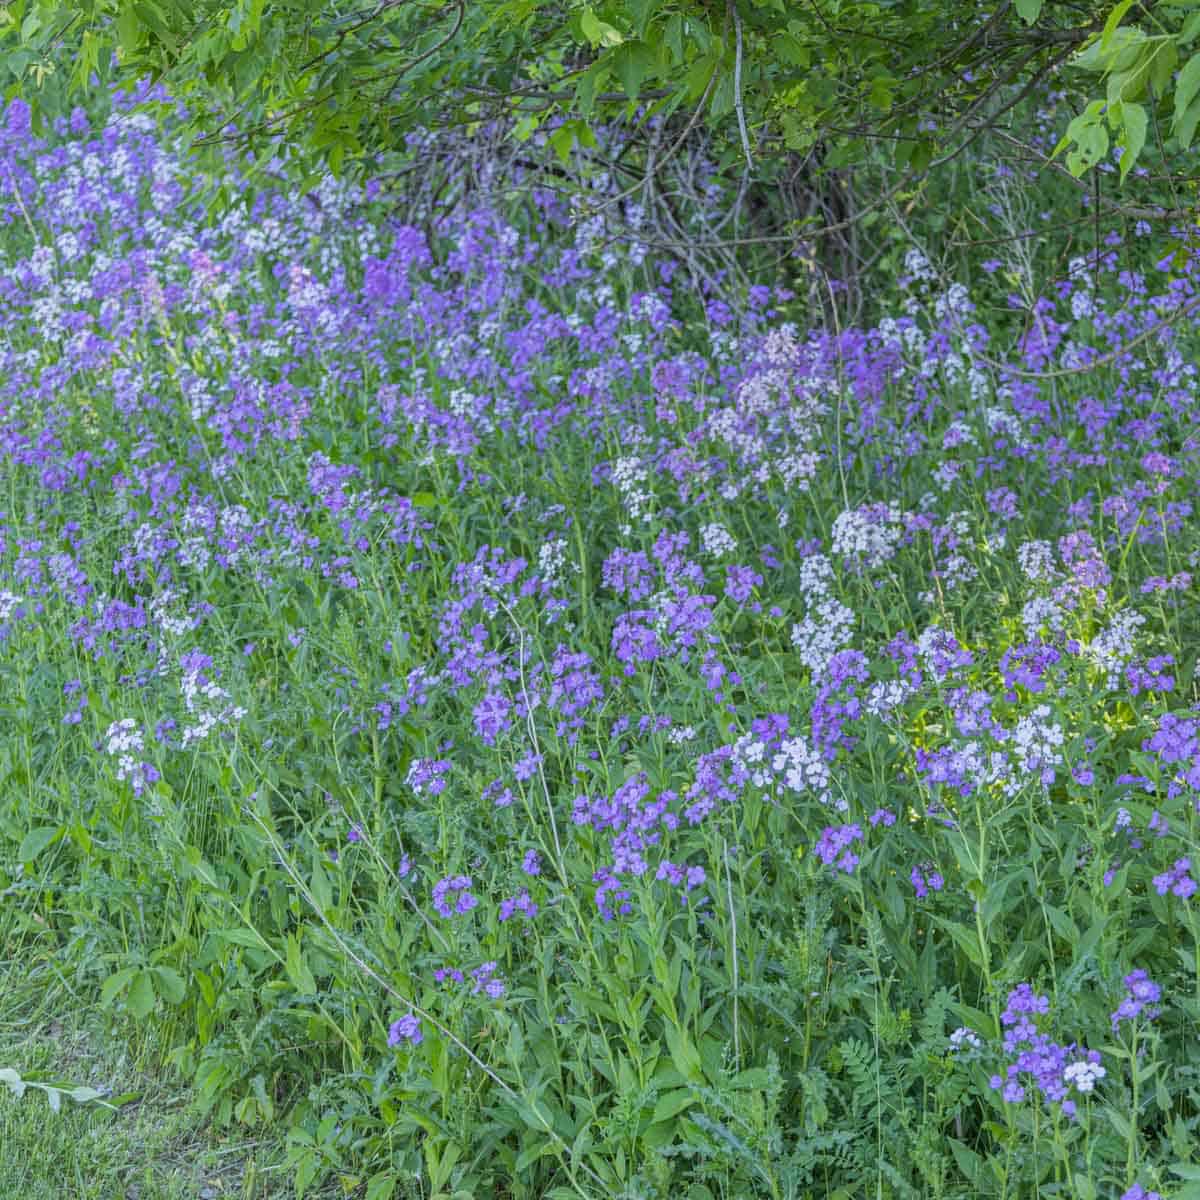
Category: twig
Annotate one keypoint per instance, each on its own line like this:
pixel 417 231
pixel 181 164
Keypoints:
pixel 737 84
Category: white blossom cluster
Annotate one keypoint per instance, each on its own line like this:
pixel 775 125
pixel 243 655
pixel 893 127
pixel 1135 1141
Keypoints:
pixel 1037 743
pixel 1036 559
pixel 1113 647
pixel 124 737
pixel 628 476
pixel 8 602
pixel 196 688
pixel 173 626
pixel 716 540
pixel 125 742
pixel 869 534
pixel 804 770
pixel 957 570
pixel 823 632
pixel 964 1036
pixel 751 755
pixel 886 695
pixel 1038 613
pixel 917 267
pixel 1084 1075
pixel 829 625
pixel 552 561
pixel 794 766
pixel 958 433
pixel 1005 423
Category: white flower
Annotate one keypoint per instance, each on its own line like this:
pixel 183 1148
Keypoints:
pixel 963 1036
pixel 124 736
pixel 552 561
pixel 1113 647
pixel 1037 561
pixel 820 637
pixel 1084 1075
pixel 870 533
pixel 802 767
pixel 716 540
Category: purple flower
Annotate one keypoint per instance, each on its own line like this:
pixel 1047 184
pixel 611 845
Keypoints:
pixel 1141 996
pixel 1177 880
pixel 520 903
pixel 531 864
pixel 406 1029
pixel 463 902
pixel 526 766
pixel 833 847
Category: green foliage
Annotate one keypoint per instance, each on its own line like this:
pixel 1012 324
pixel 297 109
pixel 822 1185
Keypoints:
pixel 335 83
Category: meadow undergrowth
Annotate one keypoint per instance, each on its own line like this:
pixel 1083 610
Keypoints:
pixel 531 731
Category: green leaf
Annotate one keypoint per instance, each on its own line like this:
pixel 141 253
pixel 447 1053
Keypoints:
pixel 1110 26
pixel 297 969
pixel 967 940
pixel 171 986
pixel 969 1163
pixel 599 33
pixel 115 984
pixel 36 840
pixel 1185 128
pixel 531 1154
pixel 684 1055
pixel 1134 136
pixel 1029 10
pixel 1186 87
pixel 381 1186
pixel 140 997
pixel 630 63
pixel 129 31
pixel 671 1104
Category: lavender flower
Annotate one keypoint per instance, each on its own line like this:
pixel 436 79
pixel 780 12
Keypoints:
pixel 406 1029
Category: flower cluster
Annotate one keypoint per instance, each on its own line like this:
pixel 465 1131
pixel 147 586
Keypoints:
pixel 1038 1061
pixel 452 897
pixel 1140 999
pixel 406 1029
